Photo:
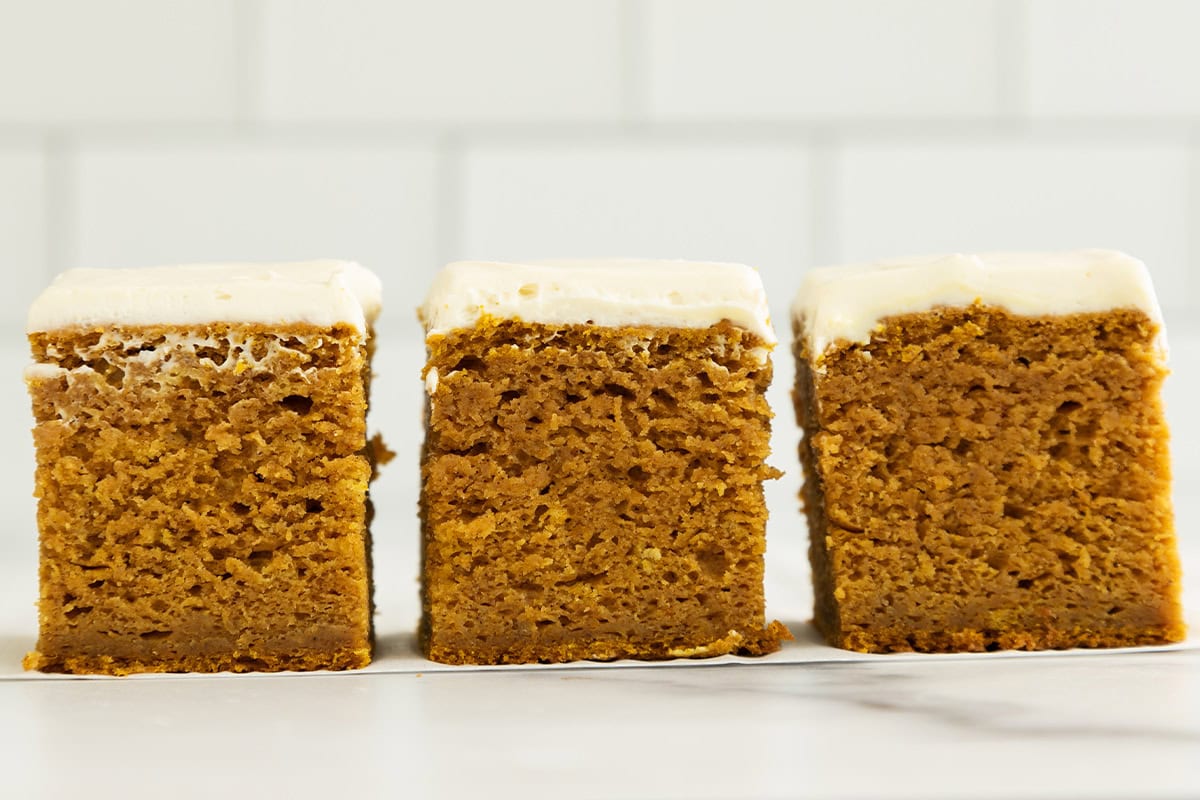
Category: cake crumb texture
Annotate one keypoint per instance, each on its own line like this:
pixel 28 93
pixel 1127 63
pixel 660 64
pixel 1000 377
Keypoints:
pixel 976 480
pixel 202 498
pixel 594 493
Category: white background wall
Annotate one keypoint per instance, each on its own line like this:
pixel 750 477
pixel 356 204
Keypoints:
pixel 406 134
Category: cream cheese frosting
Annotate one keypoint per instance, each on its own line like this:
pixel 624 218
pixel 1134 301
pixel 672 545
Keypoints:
pixel 849 302
pixel 322 293
pixel 605 292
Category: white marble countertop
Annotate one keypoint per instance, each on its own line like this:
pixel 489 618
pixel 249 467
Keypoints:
pixel 1100 725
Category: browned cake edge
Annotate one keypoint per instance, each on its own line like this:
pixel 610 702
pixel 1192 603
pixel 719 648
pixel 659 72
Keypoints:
pixel 248 661
pixel 751 643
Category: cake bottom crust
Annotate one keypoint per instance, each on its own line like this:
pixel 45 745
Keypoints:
pixel 737 642
pixel 299 660
pixel 906 640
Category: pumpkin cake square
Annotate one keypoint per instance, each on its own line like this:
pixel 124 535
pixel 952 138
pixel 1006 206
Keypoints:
pixel 202 468
pixel 596 436
pixel 985 454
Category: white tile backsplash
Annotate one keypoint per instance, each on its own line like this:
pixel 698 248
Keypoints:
pixel 661 200
pixel 945 196
pixel 772 59
pixel 448 61
pixel 1113 58
pixel 22 231
pixel 75 61
pixel 187 203
pixel 777 132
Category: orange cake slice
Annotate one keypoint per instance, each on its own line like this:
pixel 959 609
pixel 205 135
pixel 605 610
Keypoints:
pixel 202 468
pixel 596 436
pixel 985 454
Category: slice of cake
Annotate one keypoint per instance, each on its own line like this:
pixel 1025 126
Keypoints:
pixel 593 464
pixel 985 454
pixel 202 468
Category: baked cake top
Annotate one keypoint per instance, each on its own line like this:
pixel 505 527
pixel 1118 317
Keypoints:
pixel 849 302
pixel 604 292
pixel 323 293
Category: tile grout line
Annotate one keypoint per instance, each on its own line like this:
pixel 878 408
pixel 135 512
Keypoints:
pixel 448 205
pixel 634 44
pixel 247 49
pixel 822 197
pixel 1191 251
pixel 61 223
pixel 1012 61
pixel 865 129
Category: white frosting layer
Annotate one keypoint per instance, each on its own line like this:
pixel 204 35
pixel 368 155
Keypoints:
pixel 848 302
pixel 323 293
pixel 605 292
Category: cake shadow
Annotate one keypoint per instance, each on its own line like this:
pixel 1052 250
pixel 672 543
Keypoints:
pixel 804 632
pixel 397 644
